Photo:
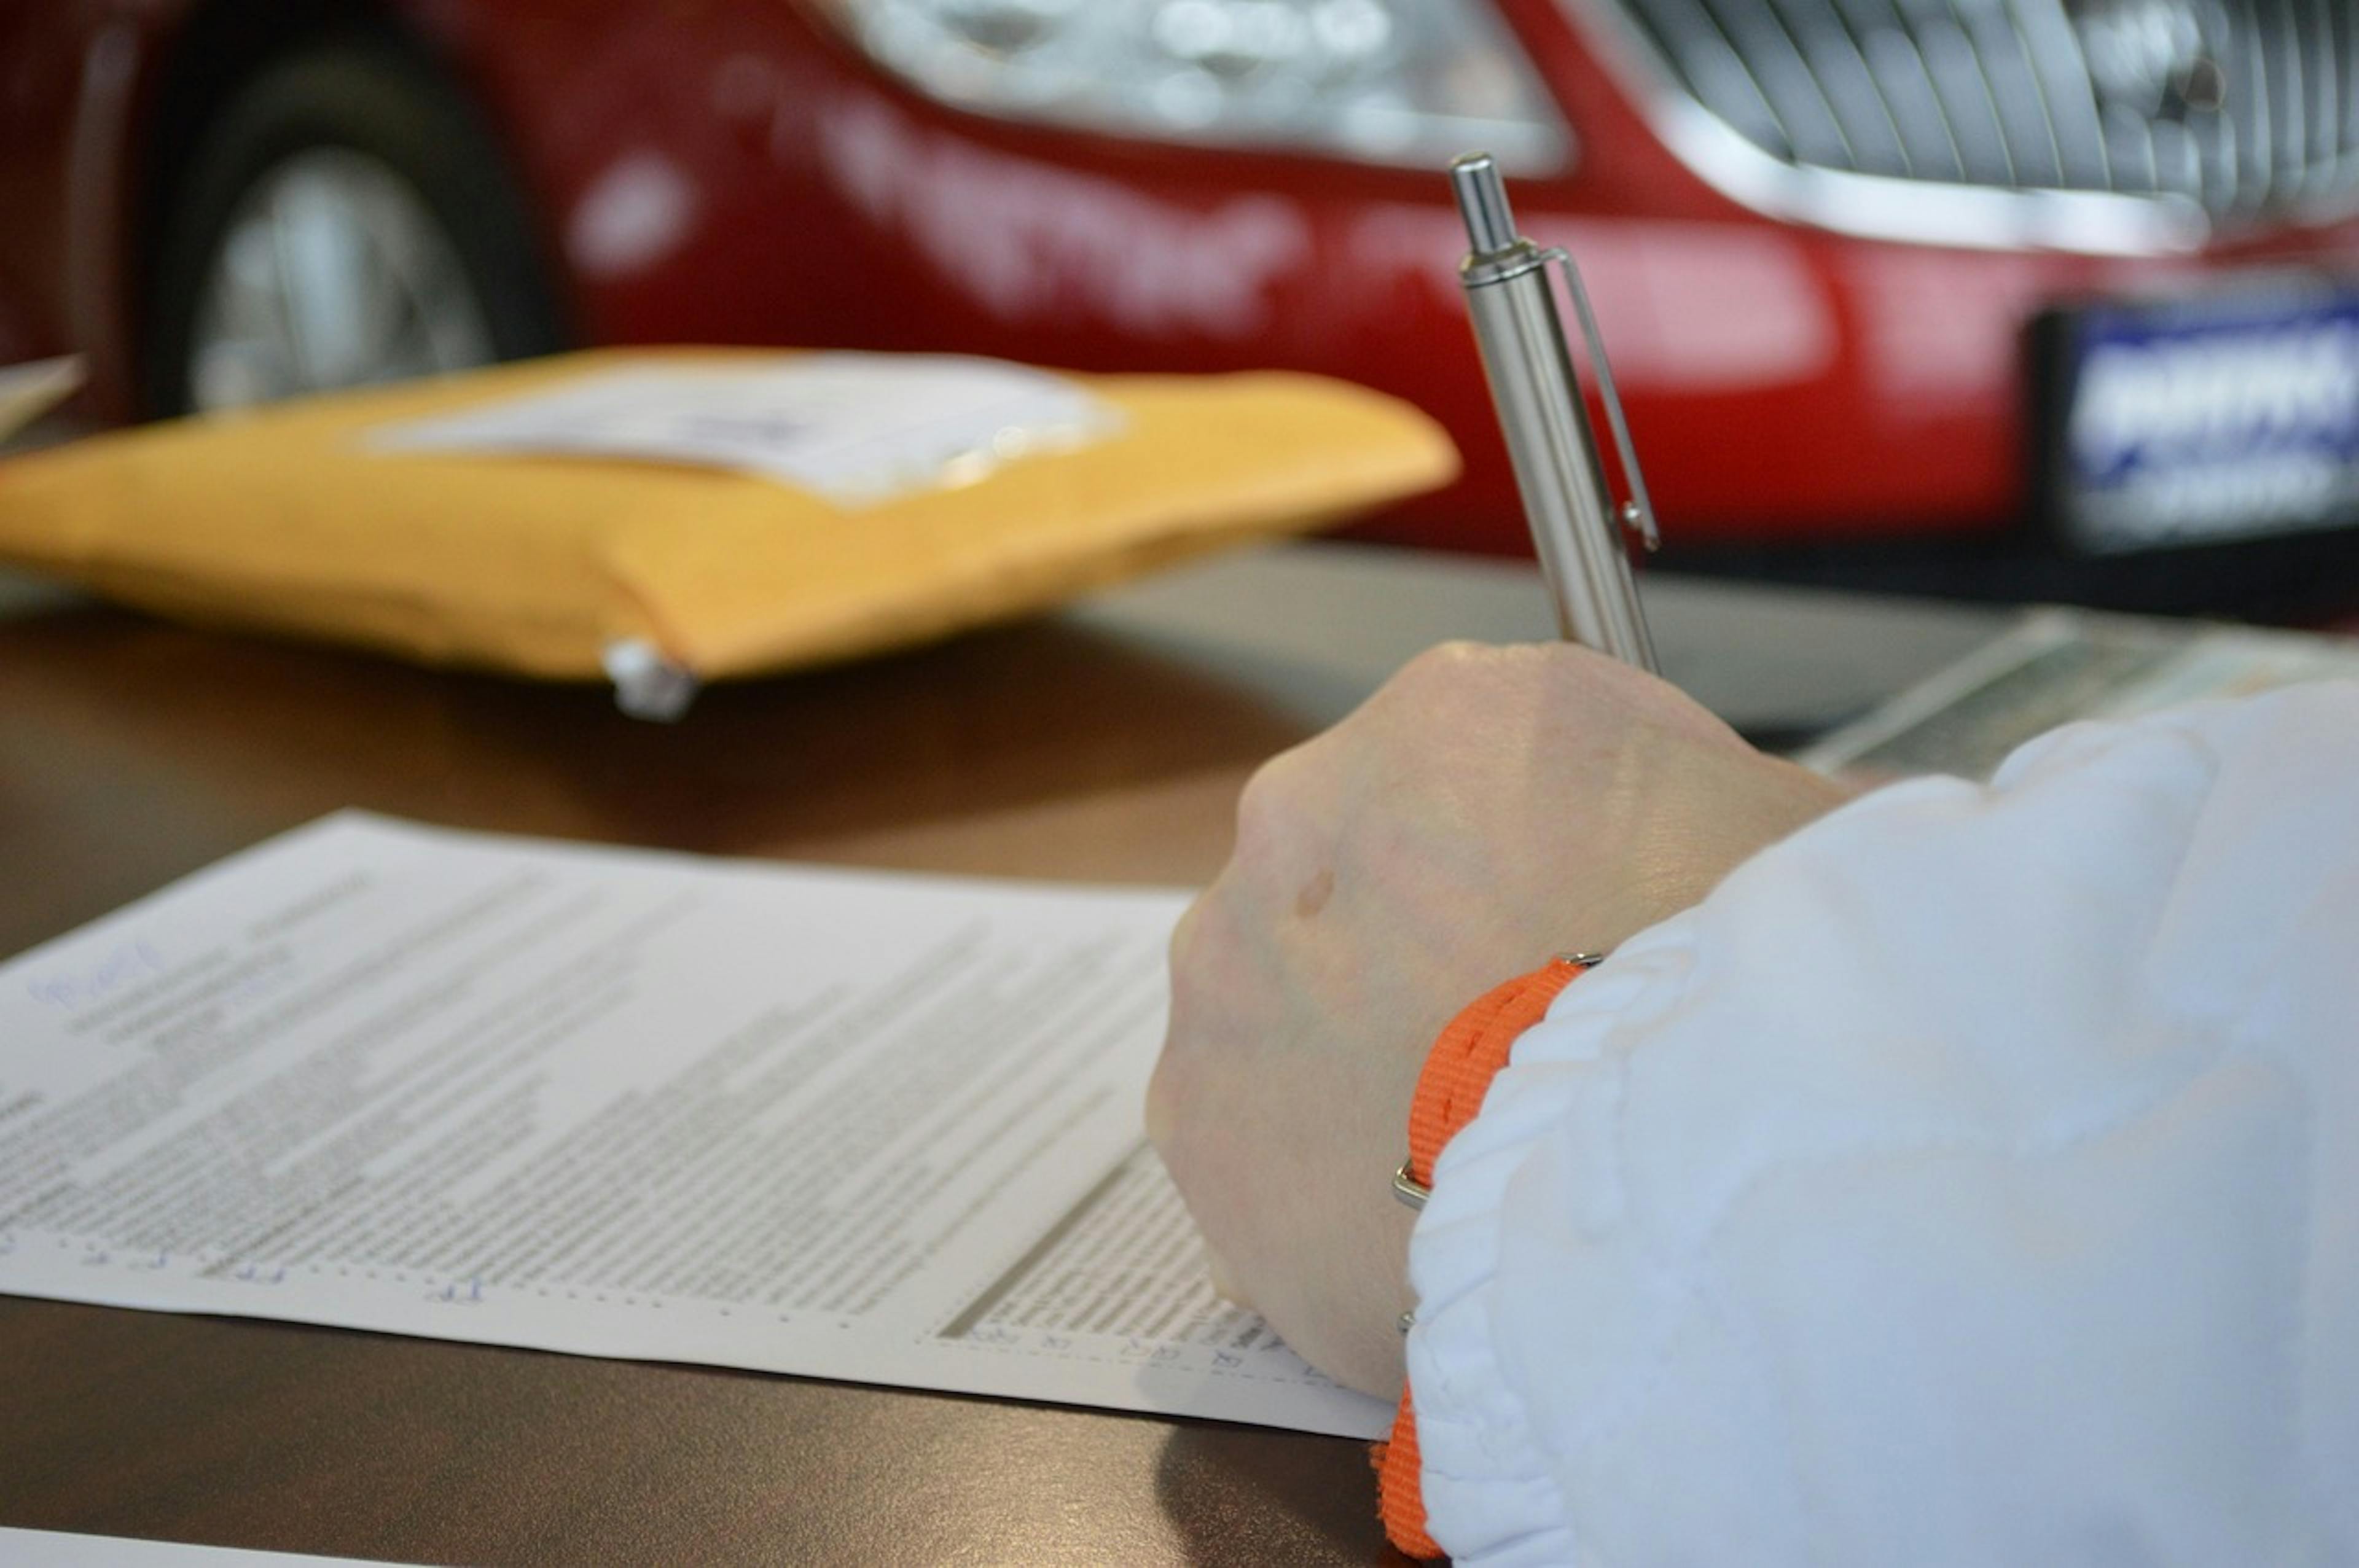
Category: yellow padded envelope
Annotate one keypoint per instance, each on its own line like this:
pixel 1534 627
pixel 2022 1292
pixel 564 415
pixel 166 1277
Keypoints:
pixel 298 520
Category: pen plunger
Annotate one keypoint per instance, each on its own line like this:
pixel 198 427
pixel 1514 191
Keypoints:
pixel 1573 521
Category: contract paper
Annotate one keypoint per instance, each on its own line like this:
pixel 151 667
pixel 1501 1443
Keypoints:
pixel 52 1548
pixel 837 1124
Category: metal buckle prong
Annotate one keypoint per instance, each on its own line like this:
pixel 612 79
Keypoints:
pixel 1407 1188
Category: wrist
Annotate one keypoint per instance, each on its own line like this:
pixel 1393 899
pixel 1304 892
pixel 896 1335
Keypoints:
pixel 1458 1072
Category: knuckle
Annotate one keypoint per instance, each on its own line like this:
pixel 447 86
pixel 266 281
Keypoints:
pixel 1197 958
pixel 1162 1114
pixel 1185 936
pixel 1458 657
pixel 1442 662
pixel 1439 676
pixel 1267 803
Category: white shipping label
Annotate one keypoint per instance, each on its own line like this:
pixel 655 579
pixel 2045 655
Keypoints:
pixel 857 429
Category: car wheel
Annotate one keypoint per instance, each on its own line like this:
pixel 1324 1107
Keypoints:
pixel 345 220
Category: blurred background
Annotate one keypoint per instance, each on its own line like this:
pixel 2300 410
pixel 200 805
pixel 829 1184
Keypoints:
pixel 2025 299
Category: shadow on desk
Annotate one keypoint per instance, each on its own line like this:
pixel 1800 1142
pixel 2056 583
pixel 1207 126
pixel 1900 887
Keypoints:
pixel 1250 1478
pixel 294 1437
pixel 138 751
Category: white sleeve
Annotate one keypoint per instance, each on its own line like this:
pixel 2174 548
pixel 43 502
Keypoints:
pixel 1973 1178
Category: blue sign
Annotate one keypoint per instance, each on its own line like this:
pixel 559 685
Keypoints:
pixel 2194 422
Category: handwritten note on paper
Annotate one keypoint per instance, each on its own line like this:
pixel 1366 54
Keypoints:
pixel 879 1128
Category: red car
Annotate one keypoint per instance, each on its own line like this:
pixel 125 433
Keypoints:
pixel 2055 274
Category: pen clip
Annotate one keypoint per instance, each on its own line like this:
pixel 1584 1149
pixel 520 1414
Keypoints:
pixel 1637 513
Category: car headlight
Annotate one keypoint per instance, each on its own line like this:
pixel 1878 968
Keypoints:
pixel 1408 81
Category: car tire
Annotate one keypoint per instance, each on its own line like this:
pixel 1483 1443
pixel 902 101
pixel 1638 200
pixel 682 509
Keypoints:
pixel 360 118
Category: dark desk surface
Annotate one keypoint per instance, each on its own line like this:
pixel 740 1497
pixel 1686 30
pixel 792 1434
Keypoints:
pixel 1105 745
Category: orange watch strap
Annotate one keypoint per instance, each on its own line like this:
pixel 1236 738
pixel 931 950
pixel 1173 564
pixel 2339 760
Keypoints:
pixel 1471 1049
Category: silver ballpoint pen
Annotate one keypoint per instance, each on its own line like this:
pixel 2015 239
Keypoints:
pixel 1576 527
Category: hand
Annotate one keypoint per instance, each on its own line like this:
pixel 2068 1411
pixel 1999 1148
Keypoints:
pixel 1486 809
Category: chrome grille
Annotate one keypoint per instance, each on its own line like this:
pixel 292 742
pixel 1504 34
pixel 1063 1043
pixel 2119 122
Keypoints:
pixel 2246 107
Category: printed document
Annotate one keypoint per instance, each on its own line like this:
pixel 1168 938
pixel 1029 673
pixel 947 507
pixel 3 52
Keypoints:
pixel 53 1549
pixel 882 1128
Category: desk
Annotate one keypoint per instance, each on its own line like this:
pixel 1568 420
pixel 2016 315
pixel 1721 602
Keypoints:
pixel 1107 743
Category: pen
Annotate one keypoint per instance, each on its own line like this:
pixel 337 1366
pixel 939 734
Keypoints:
pixel 1576 528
